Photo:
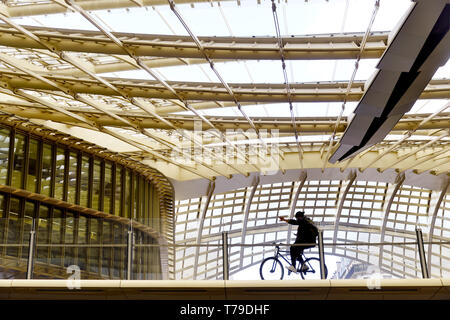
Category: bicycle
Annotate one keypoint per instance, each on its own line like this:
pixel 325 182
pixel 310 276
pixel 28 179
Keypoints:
pixel 272 269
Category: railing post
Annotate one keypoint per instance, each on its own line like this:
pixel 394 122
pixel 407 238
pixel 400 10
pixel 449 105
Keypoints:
pixel 31 250
pixel 321 256
pixel 225 255
pixel 423 261
pixel 130 253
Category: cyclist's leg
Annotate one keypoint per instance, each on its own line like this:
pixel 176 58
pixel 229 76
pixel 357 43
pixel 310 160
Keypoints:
pixel 295 253
pixel 306 267
pixel 300 255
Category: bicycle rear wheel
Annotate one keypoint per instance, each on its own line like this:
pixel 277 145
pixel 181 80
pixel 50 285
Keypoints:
pixel 313 272
pixel 271 269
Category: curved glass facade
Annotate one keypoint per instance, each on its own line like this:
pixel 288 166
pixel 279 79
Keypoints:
pixel 70 175
pixel 81 208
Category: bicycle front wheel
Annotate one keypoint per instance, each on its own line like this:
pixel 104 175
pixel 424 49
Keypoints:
pixel 271 269
pixel 313 270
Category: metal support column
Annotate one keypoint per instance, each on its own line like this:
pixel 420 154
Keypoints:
pixel 391 193
pixel 130 240
pixel 201 216
pixel 248 206
pixel 31 250
pixel 225 264
pixel 423 261
pixel 321 256
pixel 293 205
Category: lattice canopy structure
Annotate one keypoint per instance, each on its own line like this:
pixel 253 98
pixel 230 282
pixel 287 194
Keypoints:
pixel 241 104
pixel 352 211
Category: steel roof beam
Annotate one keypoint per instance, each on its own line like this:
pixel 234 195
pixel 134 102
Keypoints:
pixel 137 62
pixel 33 9
pixel 308 47
pixel 307 126
pixel 203 91
pixel 427 157
pixel 414 152
pixel 122 65
pixel 62 87
pixel 102 108
pixel 402 73
pixel 216 72
pixel 281 47
pixel 443 160
pixel 312 161
pixel 94 126
pixel 410 132
pixel 352 79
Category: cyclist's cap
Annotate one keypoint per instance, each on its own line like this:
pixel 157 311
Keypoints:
pixel 299 214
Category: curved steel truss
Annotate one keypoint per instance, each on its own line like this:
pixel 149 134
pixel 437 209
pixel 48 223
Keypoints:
pixel 328 46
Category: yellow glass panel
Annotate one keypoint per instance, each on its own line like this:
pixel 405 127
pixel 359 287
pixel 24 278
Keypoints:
pixel 4 154
pixel 59 175
pixel 47 166
pixel 32 165
pixel 19 161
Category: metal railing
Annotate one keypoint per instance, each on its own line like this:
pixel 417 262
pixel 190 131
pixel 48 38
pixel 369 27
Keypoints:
pixel 133 258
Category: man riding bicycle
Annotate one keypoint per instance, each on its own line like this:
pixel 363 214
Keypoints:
pixel 306 234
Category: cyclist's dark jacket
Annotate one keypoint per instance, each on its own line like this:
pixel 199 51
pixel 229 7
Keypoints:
pixel 304 234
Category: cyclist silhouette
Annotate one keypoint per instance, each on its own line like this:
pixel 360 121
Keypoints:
pixel 306 233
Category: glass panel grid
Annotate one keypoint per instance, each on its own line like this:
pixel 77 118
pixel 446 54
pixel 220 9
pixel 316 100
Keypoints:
pixel 363 204
pixel 363 211
pixel 409 210
pixel 319 199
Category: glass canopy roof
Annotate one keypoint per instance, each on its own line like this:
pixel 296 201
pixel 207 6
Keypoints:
pixel 194 79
